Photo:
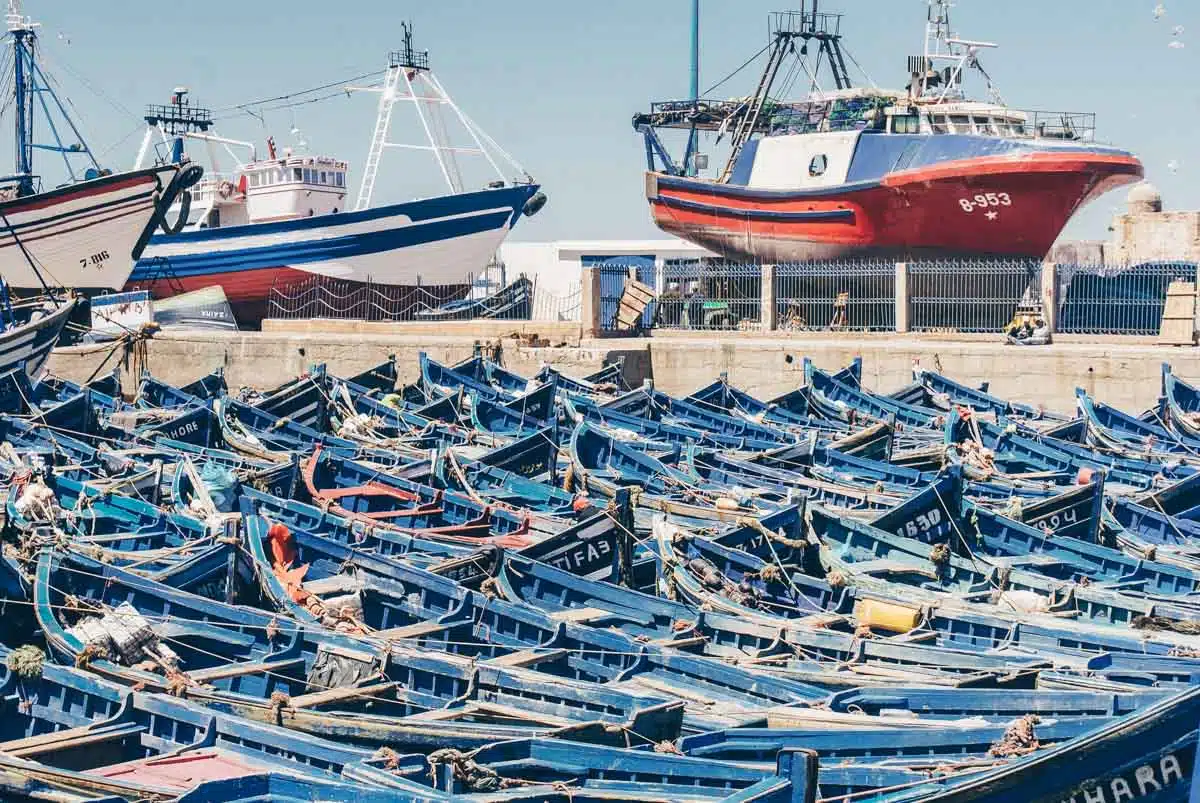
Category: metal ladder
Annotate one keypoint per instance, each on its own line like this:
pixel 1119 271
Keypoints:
pixel 383 123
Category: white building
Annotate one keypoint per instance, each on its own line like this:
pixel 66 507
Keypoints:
pixel 555 267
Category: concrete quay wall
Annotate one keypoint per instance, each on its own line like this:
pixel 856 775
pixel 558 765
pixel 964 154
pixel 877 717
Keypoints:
pixel 1123 373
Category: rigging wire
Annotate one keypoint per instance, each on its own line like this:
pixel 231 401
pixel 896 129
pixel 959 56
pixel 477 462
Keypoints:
pixel 291 95
pixel 733 74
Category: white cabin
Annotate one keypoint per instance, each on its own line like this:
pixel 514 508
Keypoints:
pixel 286 188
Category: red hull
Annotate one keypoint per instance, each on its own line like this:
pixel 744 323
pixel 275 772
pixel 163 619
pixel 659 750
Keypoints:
pixel 983 206
pixel 246 290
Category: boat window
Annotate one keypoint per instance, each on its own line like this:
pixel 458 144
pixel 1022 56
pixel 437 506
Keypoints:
pixel 906 124
pixel 984 125
pixel 939 124
pixel 297 174
pixel 818 165
pixel 323 177
pixel 961 123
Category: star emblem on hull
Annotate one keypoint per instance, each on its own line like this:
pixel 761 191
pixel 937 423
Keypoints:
pixel 993 215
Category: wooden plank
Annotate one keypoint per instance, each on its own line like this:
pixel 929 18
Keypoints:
pixel 410 631
pixel 634 300
pixel 1178 324
pixel 235 670
pixel 70 738
pixel 580 615
pixel 338 695
pixel 529 657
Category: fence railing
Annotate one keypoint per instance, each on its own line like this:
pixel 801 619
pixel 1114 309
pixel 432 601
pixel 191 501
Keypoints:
pixel 1122 299
pixel 833 296
pixel 961 296
pixel 325 297
pixel 970 295
pixel 709 297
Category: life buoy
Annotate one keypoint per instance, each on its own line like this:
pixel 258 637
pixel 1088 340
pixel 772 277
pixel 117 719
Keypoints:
pixel 225 189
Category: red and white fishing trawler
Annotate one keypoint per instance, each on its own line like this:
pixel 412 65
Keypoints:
pixel 924 172
pixel 87 233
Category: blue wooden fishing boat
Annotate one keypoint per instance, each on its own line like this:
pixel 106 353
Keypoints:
pixel 439 380
pixel 723 397
pixel 979 399
pixel 1145 755
pixel 840 401
pixel 526 413
pixel 1110 428
pixel 338 682
pixel 155 393
pixel 374 497
pixel 405 605
pixel 604 464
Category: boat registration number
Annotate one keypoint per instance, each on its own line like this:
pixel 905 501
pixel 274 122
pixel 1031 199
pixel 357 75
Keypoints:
pixel 920 524
pixel 1134 783
pixel 985 201
pixel 96 260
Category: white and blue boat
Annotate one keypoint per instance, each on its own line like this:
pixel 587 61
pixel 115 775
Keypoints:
pixel 277 221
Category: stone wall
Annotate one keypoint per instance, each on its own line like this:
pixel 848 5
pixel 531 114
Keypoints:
pixel 1115 370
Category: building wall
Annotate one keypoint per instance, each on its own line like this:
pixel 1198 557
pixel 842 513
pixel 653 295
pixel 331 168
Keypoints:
pixel 555 267
pixel 1156 237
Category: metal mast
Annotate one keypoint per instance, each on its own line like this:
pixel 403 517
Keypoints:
pixel 21 29
pixel 409 79
pixel 787 27
pixel 689 159
pixel 33 91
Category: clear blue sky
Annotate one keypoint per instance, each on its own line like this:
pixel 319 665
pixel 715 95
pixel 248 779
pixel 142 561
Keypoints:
pixel 557 81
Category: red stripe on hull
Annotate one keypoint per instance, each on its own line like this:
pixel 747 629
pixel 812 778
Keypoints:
pixel 241 287
pixel 927 212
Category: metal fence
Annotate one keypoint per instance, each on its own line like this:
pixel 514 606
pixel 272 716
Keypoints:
pixel 325 297
pixel 970 295
pixel 709 296
pixel 565 306
pixel 615 272
pixel 1116 299
pixel 833 296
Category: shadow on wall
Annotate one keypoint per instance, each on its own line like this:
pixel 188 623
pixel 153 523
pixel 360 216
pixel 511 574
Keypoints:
pixel 637 367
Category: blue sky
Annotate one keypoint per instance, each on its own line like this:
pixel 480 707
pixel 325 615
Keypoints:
pixel 556 82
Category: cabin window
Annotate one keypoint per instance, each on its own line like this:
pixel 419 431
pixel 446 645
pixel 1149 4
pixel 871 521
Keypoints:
pixel 961 123
pixel 939 124
pixel 818 165
pixel 341 179
pixel 1018 128
pixel 984 125
pixel 906 124
pixel 297 174
pixel 323 178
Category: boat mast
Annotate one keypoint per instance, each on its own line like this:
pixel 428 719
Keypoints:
pixel 788 26
pixel 408 78
pixel 21 30
pixel 941 45
pixel 689 159
pixel 33 91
